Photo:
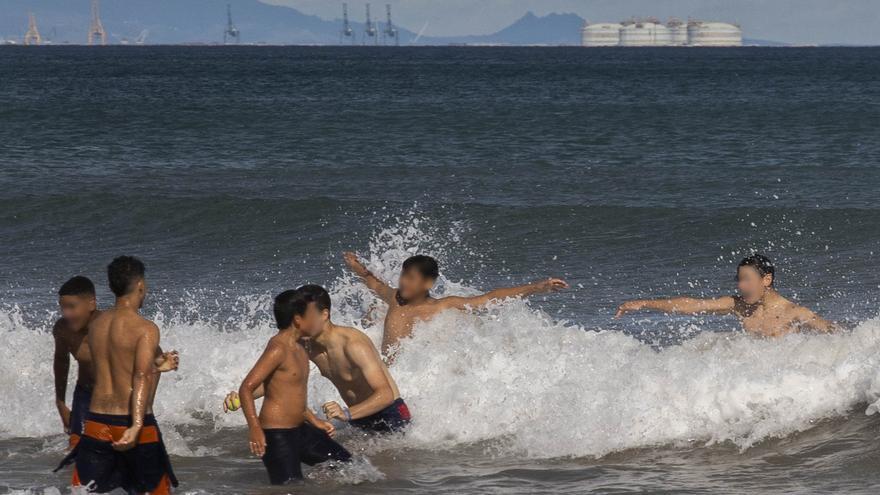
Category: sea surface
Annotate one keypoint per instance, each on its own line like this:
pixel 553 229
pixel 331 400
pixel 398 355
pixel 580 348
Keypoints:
pixel 238 172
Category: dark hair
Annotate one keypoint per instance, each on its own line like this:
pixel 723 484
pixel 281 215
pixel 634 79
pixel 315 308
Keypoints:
pixel 77 286
pixel 292 303
pixel 760 263
pixel 123 272
pixel 425 265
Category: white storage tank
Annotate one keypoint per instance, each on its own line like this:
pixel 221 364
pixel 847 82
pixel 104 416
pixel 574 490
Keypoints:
pixel 714 34
pixel 637 34
pixel 601 34
pixel 662 35
pixel 678 32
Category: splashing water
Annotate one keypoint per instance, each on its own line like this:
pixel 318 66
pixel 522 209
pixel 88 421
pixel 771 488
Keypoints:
pixel 508 376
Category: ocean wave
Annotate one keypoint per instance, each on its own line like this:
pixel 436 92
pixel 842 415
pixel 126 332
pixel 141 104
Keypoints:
pixel 510 375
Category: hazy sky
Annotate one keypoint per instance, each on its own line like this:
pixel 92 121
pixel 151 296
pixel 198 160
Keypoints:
pixel 792 21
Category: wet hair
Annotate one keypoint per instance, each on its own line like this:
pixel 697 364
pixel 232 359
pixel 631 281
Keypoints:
pixel 292 303
pixel 77 286
pixel 425 265
pixel 760 263
pixel 123 272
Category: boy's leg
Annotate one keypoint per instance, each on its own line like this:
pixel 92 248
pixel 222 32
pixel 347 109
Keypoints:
pixel 282 457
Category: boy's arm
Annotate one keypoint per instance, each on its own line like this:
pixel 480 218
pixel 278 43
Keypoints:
pixel 141 381
pixel 380 288
pixel 319 423
pixel 270 360
pixel 61 368
pixel 363 356
pixel 680 305
pixel 549 285
pixel 811 321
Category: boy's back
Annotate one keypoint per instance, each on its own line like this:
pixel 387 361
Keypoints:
pixel 113 340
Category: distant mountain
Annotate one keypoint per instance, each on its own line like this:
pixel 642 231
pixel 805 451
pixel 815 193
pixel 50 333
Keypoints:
pixel 203 21
pixel 552 29
pixel 173 21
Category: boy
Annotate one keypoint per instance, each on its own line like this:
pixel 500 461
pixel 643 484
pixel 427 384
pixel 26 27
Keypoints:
pixel 412 300
pixel 761 309
pixel 286 433
pixel 76 297
pixel 347 357
pixel 121 445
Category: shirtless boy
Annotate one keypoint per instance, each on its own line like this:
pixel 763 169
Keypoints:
pixel 121 445
pixel 412 301
pixel 77 300
pixel 347 357
pixel 761 309
pixel 76 297
pixel 286 432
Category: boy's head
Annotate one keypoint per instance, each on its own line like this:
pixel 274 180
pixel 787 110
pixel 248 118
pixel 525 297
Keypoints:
pixel 754 276
pixel 417 276
pixel 126 277
pixel 306 308
pixel 77 300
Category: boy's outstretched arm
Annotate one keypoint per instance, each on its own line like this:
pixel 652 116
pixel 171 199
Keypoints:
pixel 380 288
pixel 549 285
pixel 680 305
pixel 811 321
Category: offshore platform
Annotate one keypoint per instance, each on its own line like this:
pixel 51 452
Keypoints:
pixel 32 37
pixel 347 32
pixel 231 35
pixel 390 32
pixel 96 28
pixel 370 29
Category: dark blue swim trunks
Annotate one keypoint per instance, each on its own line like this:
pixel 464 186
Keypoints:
pixel 287 448
pixel 392 419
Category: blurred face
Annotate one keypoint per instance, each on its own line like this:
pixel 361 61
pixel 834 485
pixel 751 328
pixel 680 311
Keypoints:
pixel 751 284
pixel 77 310
pixel 312 322
pixel 413 284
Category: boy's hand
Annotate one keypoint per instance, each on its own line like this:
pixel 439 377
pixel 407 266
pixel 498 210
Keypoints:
pixel 628 307
pixel 232 402
pixel 355 264
pixel 257 441
pixel 332 410
pixel 128 440
pixel 552 285
pixel 64 412
pixel 168 361
pixel 326 426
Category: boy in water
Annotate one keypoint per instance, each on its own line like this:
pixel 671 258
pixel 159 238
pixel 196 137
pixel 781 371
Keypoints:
pixel 347 357
pixel 412 301
pixel 761 309
pixel 76 297
pixel 121 445
pixel 78 303
pixel 286 432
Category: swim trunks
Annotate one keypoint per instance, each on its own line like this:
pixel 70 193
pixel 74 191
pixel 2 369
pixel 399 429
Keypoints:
pixel 392 419
pixel 82 397
pixel 286 448
pixel 144 468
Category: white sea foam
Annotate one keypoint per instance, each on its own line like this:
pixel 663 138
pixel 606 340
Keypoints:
pixel 510 376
